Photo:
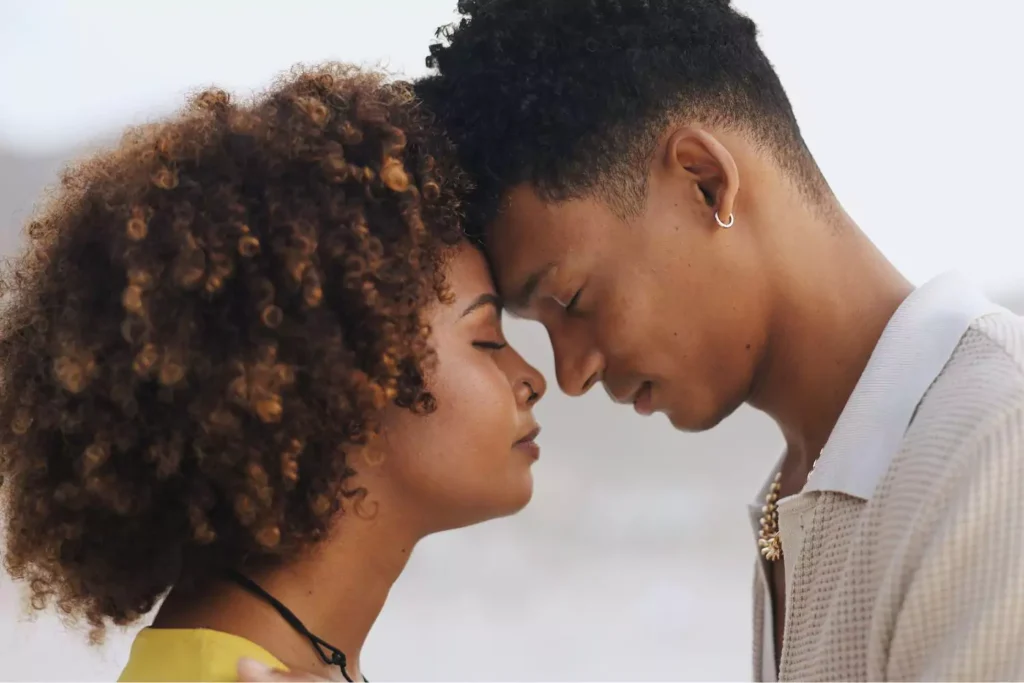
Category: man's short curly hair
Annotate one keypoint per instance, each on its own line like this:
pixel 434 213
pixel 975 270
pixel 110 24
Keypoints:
pixel 571 95
pixel 204 323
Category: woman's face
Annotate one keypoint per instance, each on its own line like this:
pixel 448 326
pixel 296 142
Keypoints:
pixel 470 459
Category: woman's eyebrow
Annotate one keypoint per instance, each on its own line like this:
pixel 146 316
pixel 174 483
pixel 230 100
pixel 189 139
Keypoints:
pixel 488 299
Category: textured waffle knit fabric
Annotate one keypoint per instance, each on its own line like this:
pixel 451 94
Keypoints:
pixel 905 552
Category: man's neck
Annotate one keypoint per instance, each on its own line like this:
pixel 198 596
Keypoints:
pixel 836 296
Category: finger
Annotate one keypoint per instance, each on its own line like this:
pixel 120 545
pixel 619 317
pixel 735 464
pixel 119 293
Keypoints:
pixel 252 671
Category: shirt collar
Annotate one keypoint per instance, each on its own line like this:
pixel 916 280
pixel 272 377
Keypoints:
pixel 914 348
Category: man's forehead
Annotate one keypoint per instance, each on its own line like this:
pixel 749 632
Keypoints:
pixel 526 242
pixel 517 269
pixel 519 259
pixel 522 290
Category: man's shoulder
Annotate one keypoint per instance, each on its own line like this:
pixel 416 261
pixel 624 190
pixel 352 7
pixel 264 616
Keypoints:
pixel 949 517
pixel 984 375
pixel 996 338
pixel 977 392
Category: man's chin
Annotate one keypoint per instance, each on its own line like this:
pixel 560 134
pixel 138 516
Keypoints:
pixel 693 421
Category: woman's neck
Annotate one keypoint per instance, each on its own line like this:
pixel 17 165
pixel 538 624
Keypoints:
pixel 337 592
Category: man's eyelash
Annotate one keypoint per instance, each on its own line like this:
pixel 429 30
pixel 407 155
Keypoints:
pixel 574 300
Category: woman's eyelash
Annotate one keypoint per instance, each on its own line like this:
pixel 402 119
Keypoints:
pixel 493 346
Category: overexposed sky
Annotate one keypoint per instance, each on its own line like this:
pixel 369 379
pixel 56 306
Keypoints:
pixel 914 109
pixel 70 68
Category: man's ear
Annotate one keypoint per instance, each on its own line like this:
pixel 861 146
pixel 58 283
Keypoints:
pixel 702 160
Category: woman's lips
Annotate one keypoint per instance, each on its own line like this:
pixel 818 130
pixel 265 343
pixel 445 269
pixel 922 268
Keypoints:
pixel 528 444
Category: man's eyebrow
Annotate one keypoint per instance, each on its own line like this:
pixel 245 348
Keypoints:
pixel 522 298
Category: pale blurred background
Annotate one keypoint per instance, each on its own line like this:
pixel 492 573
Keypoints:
pixel 634 560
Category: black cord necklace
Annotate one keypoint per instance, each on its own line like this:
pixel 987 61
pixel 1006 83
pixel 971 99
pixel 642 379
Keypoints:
pixel 329 654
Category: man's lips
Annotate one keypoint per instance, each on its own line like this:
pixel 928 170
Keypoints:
pixel 643 399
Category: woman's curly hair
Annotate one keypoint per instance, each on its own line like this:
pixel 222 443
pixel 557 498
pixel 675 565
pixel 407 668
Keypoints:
pixel 204 323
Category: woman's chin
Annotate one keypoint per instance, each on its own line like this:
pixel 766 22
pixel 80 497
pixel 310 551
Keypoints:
pixel 523 497
pixel 505 503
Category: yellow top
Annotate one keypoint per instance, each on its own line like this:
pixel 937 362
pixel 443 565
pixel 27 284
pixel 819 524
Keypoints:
pixel 190 655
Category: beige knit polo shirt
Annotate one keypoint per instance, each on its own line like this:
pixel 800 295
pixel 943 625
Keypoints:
pixel 905 551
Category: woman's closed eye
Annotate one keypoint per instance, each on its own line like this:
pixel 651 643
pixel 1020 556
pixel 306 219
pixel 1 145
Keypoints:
pixel 490 345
